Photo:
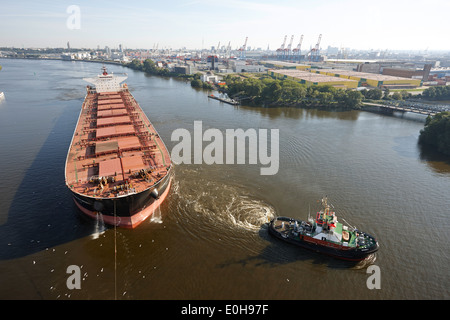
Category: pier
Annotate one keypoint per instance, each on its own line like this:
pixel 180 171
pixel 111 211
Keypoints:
pixel 224 99
pixel 406 106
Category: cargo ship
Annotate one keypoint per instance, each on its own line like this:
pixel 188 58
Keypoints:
pixel 117 167
pixel 325 234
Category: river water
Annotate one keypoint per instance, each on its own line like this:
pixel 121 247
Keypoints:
pixel 209 239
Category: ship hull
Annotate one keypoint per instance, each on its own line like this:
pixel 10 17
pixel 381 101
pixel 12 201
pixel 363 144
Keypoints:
pixel 339 252
pixel 127 211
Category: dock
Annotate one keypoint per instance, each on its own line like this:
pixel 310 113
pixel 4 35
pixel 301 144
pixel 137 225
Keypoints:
pixel 226 100
pixel 418 108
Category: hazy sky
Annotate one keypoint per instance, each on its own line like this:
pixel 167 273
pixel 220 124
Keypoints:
pixel 358 24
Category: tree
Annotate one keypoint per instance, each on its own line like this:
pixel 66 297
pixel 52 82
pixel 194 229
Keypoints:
pixel 135 64
pixel 397 96
pixel 374 94
pixel 271 91
pixel 197 83
pixel 437 93
pixel 436 132
pixel 353 99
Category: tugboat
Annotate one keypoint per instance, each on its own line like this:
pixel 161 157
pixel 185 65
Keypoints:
pixel 325 234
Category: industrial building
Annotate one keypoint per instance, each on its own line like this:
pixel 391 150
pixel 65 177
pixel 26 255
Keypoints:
pixel 409 73
pixel 371 79
pixel 310 78
pixel 284 65
pixel 243 66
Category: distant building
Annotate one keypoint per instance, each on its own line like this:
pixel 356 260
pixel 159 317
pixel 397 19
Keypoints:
pixel 409 73
pixel 209 77
pixel 372 79
pixel 369 67
pixel 312 79
pixel 182 69
pixel 285 65
pixel 242 66
pixel 213 62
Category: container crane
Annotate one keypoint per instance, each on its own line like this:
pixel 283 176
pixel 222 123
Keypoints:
pixel 281 49
pixel 314 53
pixel 287 51
pixel 228 54
pixel 242 49
pixel 297 51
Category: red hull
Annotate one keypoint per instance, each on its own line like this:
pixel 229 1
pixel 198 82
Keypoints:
pixel 128 222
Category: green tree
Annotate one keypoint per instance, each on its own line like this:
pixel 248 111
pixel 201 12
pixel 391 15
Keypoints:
pixel 197 83
pixel 436 132
pixel 397 96
pixel 374 94
pixel 353 99
pixel 135 64
pixel 271 91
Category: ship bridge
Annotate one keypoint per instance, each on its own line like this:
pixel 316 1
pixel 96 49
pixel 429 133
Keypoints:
pixel 106 82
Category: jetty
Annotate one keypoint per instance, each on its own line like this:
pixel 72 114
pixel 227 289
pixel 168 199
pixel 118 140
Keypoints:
pixel 224 98
pixel 419 108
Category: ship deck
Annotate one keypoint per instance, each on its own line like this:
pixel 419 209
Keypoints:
pixel 115 149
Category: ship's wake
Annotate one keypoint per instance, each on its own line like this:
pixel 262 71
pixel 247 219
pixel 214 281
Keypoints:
pixel 224 205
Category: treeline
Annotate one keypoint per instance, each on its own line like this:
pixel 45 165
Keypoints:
pixel 274 92
pixel 148 66
pixel 378 94
pixel 437 93
pixel 436 132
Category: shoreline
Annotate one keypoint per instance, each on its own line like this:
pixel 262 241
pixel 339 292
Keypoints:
pixel 188 77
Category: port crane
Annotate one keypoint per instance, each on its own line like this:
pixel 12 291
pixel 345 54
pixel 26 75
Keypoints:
pixel 242 49
pixel 297 51
pixel 314 52
pixel 287 51
pixel 228 54
pixel 280 50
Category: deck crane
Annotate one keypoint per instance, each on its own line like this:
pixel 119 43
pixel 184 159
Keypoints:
pixel 297 51
pixel 287 51
pixel 281 49
pixel 242 49
pixel 314 53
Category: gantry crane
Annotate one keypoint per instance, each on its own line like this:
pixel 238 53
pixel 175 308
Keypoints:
pixel 243 48
pixel 297 51
pixel 280 50
pixel 287 51
pixel 314 53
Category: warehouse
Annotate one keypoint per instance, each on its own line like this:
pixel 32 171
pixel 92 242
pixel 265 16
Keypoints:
pixel 284 65
pixel 372 79
pixel 310 78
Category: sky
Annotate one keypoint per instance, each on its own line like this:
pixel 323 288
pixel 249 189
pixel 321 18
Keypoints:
pixel 196 24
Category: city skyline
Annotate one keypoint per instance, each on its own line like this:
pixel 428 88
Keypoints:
pixel 199 24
